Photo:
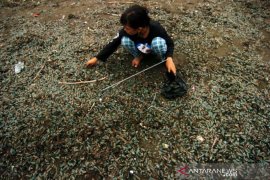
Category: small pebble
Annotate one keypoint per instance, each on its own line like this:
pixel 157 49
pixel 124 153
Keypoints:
pixel 165 146
pixel 200 138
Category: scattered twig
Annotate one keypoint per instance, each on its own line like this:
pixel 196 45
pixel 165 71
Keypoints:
pixel 83 82
pixel 92 106
pixel 214 143
pixel 137 177
pixel 144 102
pixel 153 100
pixel 116 15
pixel 237 75
pixel 42 67
pixel 114 2
pixel 123 139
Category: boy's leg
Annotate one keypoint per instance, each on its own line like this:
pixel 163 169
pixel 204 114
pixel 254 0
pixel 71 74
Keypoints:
pixel 128 44
pixel 159 47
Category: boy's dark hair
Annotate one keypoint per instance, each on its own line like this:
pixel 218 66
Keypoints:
pixel 135 16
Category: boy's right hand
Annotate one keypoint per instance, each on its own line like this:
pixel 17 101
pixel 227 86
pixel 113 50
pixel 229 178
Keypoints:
pixel 91 62
pixel 136 61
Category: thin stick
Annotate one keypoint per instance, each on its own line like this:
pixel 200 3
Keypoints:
pixel 122 138
pixel 137 177
pixel 116 84
pixel 117 15
pixel 241 78
pixel 92 106
pixel 114 2
pixel 83 82
pixel 214 143
pixel 153 101
pixel 42 67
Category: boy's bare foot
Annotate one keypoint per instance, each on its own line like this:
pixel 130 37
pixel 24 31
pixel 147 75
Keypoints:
pixel 136 61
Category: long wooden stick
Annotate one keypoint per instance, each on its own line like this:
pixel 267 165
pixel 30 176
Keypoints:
pixel 114 2
pixel 83 82
pixel 39 71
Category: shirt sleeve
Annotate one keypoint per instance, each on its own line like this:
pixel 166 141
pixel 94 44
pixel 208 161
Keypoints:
pixel 110 48
pixel 170 44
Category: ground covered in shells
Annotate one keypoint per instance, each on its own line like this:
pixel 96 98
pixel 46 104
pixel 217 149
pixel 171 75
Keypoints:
pixel 49 129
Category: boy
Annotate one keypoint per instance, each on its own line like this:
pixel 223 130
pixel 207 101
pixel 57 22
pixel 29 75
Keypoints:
pixel 140 36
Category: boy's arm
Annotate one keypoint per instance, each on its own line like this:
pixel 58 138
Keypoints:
pixel 170 49
pixel 170 44
pixel 109 48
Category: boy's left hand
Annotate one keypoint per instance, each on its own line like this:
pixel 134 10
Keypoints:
pixel 170 65
pixel 136 61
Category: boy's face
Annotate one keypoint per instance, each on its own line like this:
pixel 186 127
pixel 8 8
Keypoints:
pixel 131 31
